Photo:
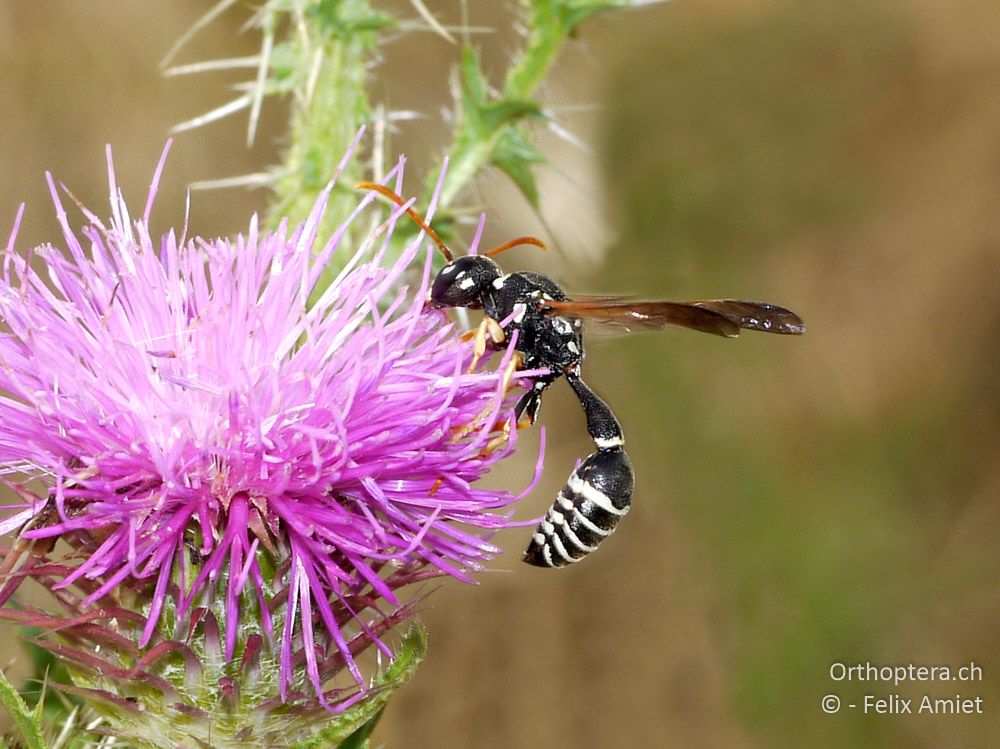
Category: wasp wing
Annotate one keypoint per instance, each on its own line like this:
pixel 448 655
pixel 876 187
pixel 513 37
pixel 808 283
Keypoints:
pixel 724 317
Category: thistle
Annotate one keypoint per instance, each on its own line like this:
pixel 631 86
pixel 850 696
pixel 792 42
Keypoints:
pixel 244 466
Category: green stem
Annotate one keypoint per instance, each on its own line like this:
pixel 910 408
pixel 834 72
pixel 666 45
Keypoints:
pixel 545 39
pixel 341 36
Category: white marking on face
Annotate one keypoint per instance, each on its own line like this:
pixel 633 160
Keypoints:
pixel 466 283
pixel 562 325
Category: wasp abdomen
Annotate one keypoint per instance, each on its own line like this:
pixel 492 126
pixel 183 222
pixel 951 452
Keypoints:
pixel 597 495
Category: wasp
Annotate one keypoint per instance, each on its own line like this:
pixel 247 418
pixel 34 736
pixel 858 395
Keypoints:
pixel 549 327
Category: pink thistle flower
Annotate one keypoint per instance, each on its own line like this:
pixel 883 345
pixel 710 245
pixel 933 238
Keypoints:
pixel 223 437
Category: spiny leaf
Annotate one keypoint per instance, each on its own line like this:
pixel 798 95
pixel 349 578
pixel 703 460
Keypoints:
pixel 360 738
pixel 351 729
pixel 27 720
pixel 475 89
pixel 574 12
pixel 515 154
pixel 45 669
pixel 347 20
pixel 505 111
pixel 487 113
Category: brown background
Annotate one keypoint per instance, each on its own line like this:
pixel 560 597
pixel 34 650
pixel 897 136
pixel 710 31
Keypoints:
pixel 799 502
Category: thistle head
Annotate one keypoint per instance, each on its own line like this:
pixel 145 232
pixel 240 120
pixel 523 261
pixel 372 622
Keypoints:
pixel 247 463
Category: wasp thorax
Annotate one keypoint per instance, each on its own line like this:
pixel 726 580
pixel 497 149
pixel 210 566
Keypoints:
pixel 463 282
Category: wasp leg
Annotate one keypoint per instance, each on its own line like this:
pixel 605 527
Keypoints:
pixel 531 402
pixel 488 327
pixel 516 363
pixel 501 439
pixel 497 442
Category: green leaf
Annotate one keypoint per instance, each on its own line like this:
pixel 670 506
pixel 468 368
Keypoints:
pixel 485 114
pixel 574 12
pixel 515 154
pixel 481 134
pixel 45 668
pixel 351 729
pixel 475 89
pixel 496 114
pixel 27 720
pixel 359 739
pixel 347 20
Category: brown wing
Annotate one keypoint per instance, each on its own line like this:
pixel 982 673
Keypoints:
pixel 767 318
pixel 724 317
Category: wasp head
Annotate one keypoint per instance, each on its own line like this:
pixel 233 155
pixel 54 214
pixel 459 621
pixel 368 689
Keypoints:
pixel 463 282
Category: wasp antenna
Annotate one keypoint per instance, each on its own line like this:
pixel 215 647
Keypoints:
pixel 417 218
pixel 516 242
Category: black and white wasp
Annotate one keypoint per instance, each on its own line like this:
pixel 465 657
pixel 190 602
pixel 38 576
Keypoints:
pixel 549 329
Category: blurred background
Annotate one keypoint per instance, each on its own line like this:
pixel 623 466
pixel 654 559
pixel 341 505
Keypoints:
pixel 800 502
